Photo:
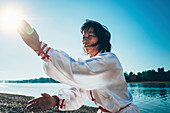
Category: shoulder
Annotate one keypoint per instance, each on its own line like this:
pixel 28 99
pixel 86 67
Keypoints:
pixel 110 58
pixel 108 55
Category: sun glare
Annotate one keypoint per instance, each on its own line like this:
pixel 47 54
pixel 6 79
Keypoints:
pixel 10 19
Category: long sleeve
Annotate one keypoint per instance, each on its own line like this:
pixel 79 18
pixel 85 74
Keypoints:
pixel 96 72
pixel 101 75
pixel 71 98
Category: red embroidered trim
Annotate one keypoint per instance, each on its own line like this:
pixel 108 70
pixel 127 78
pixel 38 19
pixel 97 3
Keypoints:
pixel 61 106
pixel 95 54
pixel 45 54
pixel 101 108
pixel 56 100
pixel 41 51
pixel 123 107
pixel 92 97
pixel 58 104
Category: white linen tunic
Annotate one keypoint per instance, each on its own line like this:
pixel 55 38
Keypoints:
pixel 99 78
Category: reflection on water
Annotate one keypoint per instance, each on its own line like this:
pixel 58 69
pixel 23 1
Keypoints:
pixel 154 85
pixel 151 97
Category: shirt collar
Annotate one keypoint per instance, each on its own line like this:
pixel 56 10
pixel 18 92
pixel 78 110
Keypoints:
pixel 102 51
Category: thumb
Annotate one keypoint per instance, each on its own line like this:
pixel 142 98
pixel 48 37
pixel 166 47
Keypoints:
pixel 45 95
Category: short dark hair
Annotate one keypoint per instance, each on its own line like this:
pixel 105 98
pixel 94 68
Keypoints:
pixel 101 32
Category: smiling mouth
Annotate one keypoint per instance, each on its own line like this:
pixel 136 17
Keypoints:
pixel 91 45
pixel 88 45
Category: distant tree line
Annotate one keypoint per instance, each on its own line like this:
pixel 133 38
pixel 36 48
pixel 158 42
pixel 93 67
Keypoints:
pixel 149 75
pixel 39 80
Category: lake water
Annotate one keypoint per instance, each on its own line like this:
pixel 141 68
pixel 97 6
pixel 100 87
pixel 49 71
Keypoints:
pixel 149 97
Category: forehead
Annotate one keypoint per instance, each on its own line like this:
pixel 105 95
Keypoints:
pixel 89 30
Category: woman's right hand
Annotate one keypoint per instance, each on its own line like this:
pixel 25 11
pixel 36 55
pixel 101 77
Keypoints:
pixel 42 103
pixel 29 35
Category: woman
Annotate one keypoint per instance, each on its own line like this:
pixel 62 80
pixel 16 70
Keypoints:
pixel 99 78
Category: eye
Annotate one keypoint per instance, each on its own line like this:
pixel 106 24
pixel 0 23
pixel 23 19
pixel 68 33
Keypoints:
pixel 91 35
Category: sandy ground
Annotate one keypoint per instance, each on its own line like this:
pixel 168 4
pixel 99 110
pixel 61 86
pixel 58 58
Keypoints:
pixel 10 103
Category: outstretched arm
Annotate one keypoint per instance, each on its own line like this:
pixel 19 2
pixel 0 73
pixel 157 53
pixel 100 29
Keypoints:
pixel 29 35
pixel 99 71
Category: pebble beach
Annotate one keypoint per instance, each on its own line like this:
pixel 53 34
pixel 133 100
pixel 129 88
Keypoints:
pixel 11 103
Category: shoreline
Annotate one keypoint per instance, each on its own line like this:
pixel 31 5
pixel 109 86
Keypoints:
pixel 57 83
pixel 150 82
pixel 10 103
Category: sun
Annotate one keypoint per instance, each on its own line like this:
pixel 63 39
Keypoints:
pixel 10 19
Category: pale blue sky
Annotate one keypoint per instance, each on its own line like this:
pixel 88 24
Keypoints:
pixel 139 28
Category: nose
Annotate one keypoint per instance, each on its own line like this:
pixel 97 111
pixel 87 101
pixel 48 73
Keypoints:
pixel 85 40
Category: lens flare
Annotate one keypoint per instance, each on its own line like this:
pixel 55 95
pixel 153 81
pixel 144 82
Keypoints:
pixel 10 19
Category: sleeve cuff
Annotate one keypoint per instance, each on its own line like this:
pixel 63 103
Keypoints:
pixel 44 51
pixel 60 102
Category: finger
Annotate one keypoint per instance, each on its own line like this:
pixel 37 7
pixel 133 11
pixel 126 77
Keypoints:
pixel 33 101
pixel 25 27
pixel 32 109
pixel 30 106
pixel 35 109
pixel 20 32
pixel 30 30
pixel 45 95
pixel 33 31
pixel 21 25
pixel 24 23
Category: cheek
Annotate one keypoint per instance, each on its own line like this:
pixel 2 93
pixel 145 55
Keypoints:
pixel 94 40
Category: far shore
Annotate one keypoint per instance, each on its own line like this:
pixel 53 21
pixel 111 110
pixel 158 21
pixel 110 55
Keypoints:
pixel 127 82
pixel 12 103
pixel 150 82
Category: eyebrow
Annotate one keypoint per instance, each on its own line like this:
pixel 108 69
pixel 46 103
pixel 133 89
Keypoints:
pixel 91 32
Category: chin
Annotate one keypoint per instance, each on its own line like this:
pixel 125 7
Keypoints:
pixel 88 50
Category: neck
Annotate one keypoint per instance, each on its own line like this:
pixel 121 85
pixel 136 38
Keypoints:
pixel 94 51
pixel 94 54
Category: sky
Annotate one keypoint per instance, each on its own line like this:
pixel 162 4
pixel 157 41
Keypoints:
pixel 139 29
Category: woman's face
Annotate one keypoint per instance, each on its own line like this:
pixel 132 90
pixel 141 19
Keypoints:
pixel 90 41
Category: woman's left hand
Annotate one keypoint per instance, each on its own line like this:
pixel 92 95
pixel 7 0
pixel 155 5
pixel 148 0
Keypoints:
pixel 29 35
pixel 42 103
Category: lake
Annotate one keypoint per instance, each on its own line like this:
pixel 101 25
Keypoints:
pixel 149 97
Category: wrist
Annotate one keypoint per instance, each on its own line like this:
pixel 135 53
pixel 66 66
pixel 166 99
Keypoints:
pixel 56 100
pixel 36 48
pixel 43 51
